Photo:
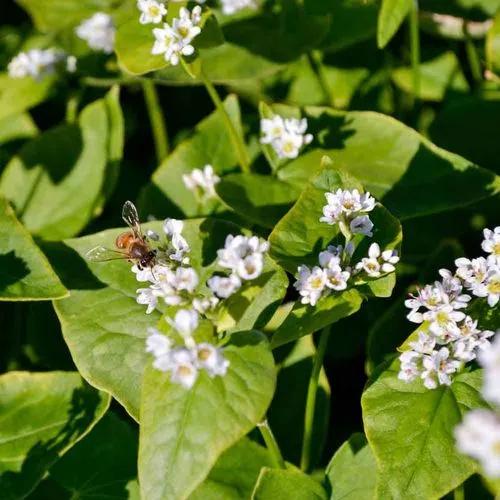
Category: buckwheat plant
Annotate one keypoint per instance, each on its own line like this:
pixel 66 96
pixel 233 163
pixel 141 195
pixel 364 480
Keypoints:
pixel 335 270
pixel 174 283
pixel 479 433
pixel 287 136
pixel 449 337
pixel 202 182
pixel 99 32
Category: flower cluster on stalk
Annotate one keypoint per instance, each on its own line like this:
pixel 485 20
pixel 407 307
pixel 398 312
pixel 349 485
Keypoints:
pixel 174 39
pixel 202 182
pixel 287 136
pixel 449 337
pixel 335 270
pixel 38 63
pixel 479 433
pixel 99 32
pixel 173 282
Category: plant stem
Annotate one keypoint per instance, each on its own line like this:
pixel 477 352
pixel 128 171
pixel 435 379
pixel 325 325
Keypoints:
pixel 271 444
pixel 415 49
pixel 316 64
pixel 459 493
pixel 472 56
pixel 236 139
pixel 305 460
pixel 72 107
pixel 156 119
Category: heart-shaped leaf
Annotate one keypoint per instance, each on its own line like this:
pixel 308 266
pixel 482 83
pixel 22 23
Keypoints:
pixel 391 15
pixel 43 416
pixel 25 273
pixel 59 179
pixel 183 432
pixel 410 430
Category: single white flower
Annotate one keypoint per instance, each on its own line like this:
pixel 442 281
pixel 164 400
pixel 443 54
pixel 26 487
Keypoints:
pixel 310 284
pixel 185 322
pixel 99 32
pixel 157 343
pixel 336 278
pixel 438 367
pixel 272 129
pixel 202 182
pixel 409 368
pixel 479 437
pixel 182 365
pixel 223 286
pixel 211 359
pixel 147 296
pixel 491 242
pixel 184 278
pixel 152 12
pixel 166 44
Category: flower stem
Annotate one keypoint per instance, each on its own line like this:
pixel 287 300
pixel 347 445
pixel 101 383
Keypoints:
pixel 72 107
pixel 156 119
pixel 236 139
pixel 305 460
pixel 271 444
pixel 415 48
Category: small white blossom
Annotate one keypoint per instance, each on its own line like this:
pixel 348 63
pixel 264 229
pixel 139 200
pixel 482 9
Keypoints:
pixel 489 358
pixel 152 12
pixel 211 359
pixel 311 283
pixel 287 136
pixel 232 6
pixel 99 32
pixel 438 367
pixel 479 437
pixel 336 278
pixel 184 278
pixel 223 286
pixel 361 224
pixel 36 63
pixel 205 304
pixel 491 242
pixel 149 297
pixel 182 364
pixel 185 322
pixel 157 343
pixel 377 262
pixel 178 247
pixel 202 182
pixel 409 369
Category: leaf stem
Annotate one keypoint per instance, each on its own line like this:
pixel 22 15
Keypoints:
pixel 316 64
pixel 415 48
pixel 272 445
pixel 236 139
pixel 305 460
pixel 156 119
pixel 472 56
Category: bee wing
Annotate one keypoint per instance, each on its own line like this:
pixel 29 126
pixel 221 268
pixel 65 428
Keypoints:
pixel 131 218
pixel 103 254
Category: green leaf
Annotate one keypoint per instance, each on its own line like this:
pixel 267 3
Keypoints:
pixel 18 95
pixel 54 15
pixel 183 432
pixel 261 199
pixel 103 464
pixel 352 472
pixel 397 165
pixel 492 46
pixel 305 319
pixel 57 180
pixel 287 409
pixel 209 144
pixel 17 127
pixel 25 273
pixel 43 416
pixel 410 430
pixel 391 15
pixel 278 484
pixel 105 329
pixel 437 76
pixel 235 473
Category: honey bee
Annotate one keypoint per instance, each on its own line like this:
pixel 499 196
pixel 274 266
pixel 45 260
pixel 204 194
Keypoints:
pixel 131 245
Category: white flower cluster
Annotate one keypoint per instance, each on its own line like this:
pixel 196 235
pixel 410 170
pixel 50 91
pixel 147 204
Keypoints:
pixel 287 136
pixel 176 284
pixel 99 32
pixel 202 182
pixel 173 41
pixel 348 208
pixel 38 63
pixel 184 362
pixel 449 337
pixel 479 433
pixel 335 268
